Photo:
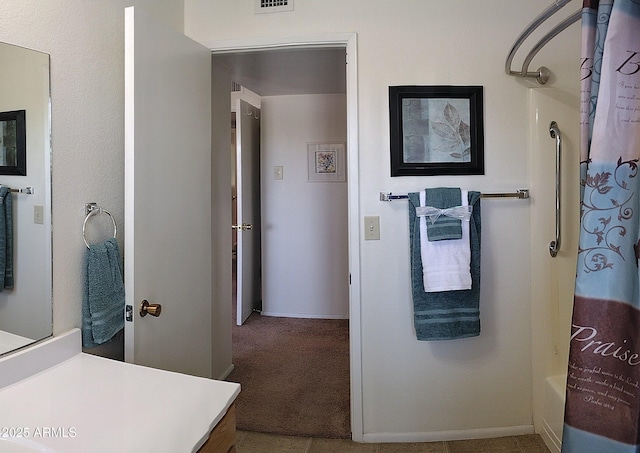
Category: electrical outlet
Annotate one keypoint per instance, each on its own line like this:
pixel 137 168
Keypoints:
pixel 371 228
pixel 38 214
pixel 277 172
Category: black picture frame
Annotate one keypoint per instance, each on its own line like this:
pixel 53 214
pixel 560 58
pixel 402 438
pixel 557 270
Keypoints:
pixel 436 130
pixel 13 143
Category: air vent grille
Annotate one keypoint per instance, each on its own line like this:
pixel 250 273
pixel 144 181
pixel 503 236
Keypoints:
pixel 273 6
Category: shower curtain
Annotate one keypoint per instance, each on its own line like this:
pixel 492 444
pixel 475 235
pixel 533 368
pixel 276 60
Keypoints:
pixel 602 412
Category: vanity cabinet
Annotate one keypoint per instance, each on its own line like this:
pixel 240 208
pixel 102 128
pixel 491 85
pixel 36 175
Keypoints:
pixel 56 398
pixel 223 436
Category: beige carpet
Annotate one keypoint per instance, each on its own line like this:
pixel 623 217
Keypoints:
pixel 294 375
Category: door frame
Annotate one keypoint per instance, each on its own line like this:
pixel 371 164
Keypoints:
pixel 349 42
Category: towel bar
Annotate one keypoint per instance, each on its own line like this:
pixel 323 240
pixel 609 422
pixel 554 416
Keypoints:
pixel 520 193
pixel 28 190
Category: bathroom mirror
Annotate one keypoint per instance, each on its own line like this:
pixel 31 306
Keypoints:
pixel 25 303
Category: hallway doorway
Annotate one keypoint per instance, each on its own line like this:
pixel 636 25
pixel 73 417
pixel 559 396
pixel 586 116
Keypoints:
pixel 279 171
pixel 347 41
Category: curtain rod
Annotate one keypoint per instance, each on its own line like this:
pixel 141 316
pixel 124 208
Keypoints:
pixel 542 74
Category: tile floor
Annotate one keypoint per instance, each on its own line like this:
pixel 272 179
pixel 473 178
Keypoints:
pixel 250 442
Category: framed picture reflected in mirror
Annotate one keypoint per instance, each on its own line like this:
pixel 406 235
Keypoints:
pixel 13 143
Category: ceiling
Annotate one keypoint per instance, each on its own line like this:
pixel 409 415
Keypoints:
pixel 280 72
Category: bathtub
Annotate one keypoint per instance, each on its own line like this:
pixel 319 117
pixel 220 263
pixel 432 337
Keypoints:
pixel 553 414
pixel 9 341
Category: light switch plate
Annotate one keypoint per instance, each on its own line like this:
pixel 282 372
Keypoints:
pixel 38 214
pixel 372 228
pixel 277 172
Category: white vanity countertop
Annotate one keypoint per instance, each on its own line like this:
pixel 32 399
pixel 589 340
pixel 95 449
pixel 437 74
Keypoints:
pixel 93 404
pixel 9 341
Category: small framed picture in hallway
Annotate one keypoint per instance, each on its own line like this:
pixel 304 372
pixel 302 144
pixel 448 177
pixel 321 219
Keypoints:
pixel 436 130
pixel 326 162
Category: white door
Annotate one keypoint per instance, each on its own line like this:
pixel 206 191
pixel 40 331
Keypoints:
pixel 167 197
pixel 248 204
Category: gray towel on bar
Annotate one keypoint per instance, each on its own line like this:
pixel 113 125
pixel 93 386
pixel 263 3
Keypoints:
pixel 445 315
pixel 444 228
pixel 103 301
pixel 6 238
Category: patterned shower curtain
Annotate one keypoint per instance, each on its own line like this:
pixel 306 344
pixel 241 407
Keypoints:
pixel 602 412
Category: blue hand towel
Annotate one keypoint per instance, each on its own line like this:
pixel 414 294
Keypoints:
pixel 445 315
pixel 6 238
pixel 444 228
pixel 103 302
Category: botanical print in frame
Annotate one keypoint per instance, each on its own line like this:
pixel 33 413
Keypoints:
pixel 13 147
pixel 436 130
pixel 326 162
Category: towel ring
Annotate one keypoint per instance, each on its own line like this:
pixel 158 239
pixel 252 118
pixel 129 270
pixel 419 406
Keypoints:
pixel 95 210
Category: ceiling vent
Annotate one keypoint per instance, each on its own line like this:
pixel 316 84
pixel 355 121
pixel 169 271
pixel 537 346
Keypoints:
pixel 273 6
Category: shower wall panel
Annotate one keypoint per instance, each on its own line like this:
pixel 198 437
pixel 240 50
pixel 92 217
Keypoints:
pixel 552 279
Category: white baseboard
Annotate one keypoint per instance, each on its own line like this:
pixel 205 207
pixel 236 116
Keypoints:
pixel 226 373
pixel 303 315
pixel 438 436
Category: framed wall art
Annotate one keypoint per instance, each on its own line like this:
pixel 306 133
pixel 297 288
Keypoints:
pixel 436 130
pixel 326 162
pixel 13 143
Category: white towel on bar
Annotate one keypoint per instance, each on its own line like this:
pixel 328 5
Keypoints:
pixel 446 265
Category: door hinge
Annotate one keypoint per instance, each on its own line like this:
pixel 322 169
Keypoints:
pixel 128 313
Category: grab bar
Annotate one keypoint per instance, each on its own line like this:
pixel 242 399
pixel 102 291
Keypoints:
pixel 554 131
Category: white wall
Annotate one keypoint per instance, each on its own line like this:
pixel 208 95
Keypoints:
pixel 305 261
pixel 25 310
pixel 418 389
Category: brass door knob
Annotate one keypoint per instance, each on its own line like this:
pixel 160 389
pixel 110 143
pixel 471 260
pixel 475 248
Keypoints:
pixel 150 309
